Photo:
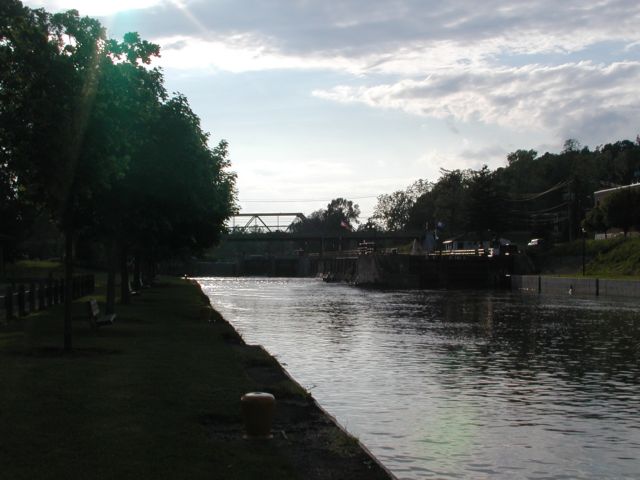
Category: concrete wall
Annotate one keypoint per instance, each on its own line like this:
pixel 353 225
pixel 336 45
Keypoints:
pixel 621 288
pixel 579 286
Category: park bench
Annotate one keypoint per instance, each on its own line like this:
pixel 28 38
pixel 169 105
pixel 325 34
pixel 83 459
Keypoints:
pixel 96 319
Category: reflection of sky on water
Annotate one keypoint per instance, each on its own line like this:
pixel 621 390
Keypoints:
pixel 458 384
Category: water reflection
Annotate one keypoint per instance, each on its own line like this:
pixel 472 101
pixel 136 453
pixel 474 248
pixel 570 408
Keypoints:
pixel 458 384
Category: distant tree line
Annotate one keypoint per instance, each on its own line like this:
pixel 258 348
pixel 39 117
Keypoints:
pixel 340 215
pixel 545 195
pixel 90 138
pixel 539 194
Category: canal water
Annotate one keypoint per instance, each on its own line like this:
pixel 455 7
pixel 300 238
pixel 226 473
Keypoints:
pixel 458 384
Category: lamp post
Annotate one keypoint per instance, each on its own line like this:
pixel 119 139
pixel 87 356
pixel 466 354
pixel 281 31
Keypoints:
pixel 584 241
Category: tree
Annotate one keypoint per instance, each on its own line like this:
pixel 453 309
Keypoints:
pixel 444 203
pixel 622 209
pixel 571 145
pixel 180 191
pixel 95 171
pixel 393 211
pixel 126 102
pixel 596 221
pixel 339 215
pixel 486 203
pixel 341 211
pixel 49 68
pixel 521 156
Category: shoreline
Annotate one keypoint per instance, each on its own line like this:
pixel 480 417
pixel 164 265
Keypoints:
pixel 551 284
pixel 274 373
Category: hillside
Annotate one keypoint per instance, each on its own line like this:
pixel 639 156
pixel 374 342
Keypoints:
pixel 616 257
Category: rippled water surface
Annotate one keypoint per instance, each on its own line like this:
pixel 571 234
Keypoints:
pixel 458 384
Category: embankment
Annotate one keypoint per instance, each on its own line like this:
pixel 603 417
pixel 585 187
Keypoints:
pixel 418 271
pixel 587 286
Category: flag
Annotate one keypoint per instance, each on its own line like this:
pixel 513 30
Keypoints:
pixel 344 224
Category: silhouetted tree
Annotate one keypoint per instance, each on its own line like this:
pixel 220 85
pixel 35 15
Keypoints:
pixel 622 209
pixel 393 211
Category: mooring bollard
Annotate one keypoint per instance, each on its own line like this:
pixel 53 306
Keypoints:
pixel 257 411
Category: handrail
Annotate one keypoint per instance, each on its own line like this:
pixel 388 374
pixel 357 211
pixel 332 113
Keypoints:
pixel 21 299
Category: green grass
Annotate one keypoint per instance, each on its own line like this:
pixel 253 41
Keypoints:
pixel 33 269
pixel 142 398
pixel 621 261
pixel 614 258
pixel 592 247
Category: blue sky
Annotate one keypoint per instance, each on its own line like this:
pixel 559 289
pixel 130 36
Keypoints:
pixel 362 97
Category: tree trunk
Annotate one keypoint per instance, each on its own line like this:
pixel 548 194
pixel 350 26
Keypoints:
pixel 111 279
pixel 125 293
pixel 68 288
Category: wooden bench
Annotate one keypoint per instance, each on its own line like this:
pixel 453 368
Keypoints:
pixel 96 319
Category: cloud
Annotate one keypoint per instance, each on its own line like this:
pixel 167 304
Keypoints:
pixel 392 35
pixel 236 54
pixel 533 96
pixel 406 37
pixel 98 8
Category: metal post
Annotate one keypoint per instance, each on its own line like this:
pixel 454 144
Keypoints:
pixel 41 296
pixel 21 301
pixel 32 297
pixel 8 302
pixel 584 241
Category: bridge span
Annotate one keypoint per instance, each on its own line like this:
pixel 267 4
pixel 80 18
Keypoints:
pixel 319 236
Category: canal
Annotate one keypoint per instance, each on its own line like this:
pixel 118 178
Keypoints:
pixel 458 384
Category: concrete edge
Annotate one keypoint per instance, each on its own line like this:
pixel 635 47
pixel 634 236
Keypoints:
pixel 374 459
pixel 327 414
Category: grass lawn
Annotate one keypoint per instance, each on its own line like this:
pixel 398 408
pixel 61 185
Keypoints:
pixel 615 258
pixel 135 400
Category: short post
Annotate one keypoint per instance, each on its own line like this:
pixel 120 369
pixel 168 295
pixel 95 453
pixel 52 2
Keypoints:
pixel 257 411
pixel 8 302
pixel 53 292
pixel 22 311
pixel 584 241
pixel 41 297
pixel 49 292
pixel 32 297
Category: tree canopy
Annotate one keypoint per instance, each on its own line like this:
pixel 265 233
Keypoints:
pixel 340 215
pixel 536 193
pixel 89 135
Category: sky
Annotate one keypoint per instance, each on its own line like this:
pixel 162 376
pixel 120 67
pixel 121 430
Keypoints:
pixel 357 98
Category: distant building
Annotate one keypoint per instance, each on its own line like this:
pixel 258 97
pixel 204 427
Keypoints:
pixel 600 195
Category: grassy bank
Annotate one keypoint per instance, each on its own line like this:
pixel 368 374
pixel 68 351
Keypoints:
pixel 156 395
pixel 611 258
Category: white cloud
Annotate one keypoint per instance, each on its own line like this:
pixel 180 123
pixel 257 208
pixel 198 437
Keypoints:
pixel 534 96
pixel 95 7
pixel 239 53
